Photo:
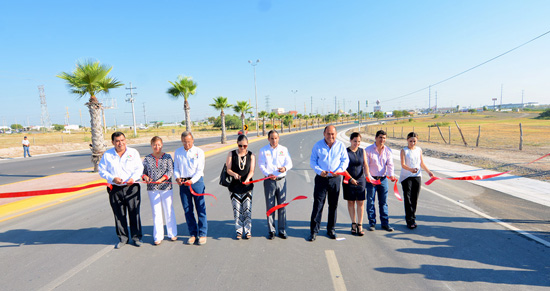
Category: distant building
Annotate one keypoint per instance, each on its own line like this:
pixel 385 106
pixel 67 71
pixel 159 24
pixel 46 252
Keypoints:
pixel 513 105
pixel 278 110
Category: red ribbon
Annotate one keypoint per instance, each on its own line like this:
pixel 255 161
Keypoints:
pixel 255 181
pixel 52 191
pixel 274 208
pixel 466 178
pixel 203 194
pixel 539 158
pixel 396 191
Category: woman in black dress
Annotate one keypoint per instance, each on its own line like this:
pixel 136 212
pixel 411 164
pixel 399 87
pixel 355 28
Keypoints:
pixel 240 164
pixel 354 190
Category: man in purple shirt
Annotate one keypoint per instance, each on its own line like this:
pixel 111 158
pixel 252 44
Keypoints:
pixel 380 160
pixel 328 155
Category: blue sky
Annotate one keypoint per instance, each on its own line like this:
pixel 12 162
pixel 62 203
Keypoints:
pixel 351 50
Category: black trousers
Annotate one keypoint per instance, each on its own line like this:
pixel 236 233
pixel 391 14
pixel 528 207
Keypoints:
pixel 411 191
pixel 325 188
pixel 125 202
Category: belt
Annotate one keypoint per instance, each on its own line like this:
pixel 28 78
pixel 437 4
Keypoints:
pixel 379 177
pixel 327 177
pixel 278 179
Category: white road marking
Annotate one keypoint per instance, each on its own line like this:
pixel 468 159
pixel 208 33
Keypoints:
pixel 214 180
pixel 301 156
pixel 307 177
pixel 61 279
pixel 335 273
pixel 504 224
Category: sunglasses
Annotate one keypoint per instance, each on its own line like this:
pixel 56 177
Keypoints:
pixel 243 146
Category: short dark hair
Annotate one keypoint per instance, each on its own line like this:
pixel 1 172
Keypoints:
pixel 412 134
pixel 242 137
pixel 117 134
pixel 380 132
pixel 354 135
pixel 186 133
pixel 270 132
pixel 155 138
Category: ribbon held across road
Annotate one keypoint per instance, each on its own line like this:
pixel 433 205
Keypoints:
pixel 276 207
pixel 466 178
pixel 255 181
pixel 51 191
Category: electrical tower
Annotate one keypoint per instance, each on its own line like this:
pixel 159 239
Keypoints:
pixel 267 108
pixel 44 115
pixel 131 99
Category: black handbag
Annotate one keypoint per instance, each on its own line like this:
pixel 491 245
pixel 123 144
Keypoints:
pixel 225 179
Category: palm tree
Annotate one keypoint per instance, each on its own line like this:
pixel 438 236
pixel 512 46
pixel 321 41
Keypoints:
pixel 183 87
pixel 299 117
pixel 242 107
pixel 220 103
pixel 288 121
pixel 263 114
pixel 90 77
pixel 272 116
pixel 306 117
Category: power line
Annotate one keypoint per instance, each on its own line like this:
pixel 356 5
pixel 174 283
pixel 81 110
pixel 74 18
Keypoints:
pixel 474 67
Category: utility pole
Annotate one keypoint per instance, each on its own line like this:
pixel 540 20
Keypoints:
pixel 254 64
pixel 311 108
pixel 80 113
pixel 429 99
pixel 436 101
pixel 131 100
pixel 294 94
pixel 335 105
pixel 501 85
pixel 522 99
pixel 144 114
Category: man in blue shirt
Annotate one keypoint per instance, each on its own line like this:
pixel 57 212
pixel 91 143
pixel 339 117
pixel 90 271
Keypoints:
pixel 328 155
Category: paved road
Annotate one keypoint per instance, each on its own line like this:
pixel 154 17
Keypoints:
pixel 70 246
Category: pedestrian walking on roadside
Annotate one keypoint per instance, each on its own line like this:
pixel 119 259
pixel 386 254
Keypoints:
pixel 410 177
pixel 380 162
pixel 240 165
pixel 26 145
pixel 328 155
pixel 354 190
pixel 189 171
pixel 121 166
pixel 158 169
pixel 274 162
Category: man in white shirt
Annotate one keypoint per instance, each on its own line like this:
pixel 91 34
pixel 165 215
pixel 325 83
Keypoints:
pixel 189 171
pixel 274 161
pixel 121 166
pixel 26 145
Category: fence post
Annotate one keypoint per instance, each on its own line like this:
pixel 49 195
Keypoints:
pixel 393 132
pixel 520 137
pixel 429 133
pixel 459 130
pixel 401 131
pixel 440 133
pixel 478 134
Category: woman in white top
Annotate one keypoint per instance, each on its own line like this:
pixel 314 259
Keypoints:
pixel 411 162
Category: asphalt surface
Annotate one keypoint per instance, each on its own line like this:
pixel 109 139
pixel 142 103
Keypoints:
pixel 70 246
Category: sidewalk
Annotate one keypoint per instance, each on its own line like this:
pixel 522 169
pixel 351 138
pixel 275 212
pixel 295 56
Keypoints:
pixel 528 189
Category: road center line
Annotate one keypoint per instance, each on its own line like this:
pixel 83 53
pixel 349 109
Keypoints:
pixel 61 279
pixel 504 224
pixel 335 273
pixel 307 177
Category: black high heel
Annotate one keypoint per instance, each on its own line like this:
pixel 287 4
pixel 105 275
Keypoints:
pixel 360 231
pixel 353 228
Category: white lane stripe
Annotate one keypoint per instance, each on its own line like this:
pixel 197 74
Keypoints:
pixel 61 279
pixel 307 177
pixel 214 180
pixel 504 224
pixel 335 273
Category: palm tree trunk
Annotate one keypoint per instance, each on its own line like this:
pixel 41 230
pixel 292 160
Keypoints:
pixel 186 108
pixel 263 126
pixel 98 141
pixel 224 138
pixel 242 123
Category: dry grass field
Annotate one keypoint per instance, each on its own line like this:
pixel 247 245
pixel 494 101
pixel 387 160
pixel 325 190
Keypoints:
pixel 498 130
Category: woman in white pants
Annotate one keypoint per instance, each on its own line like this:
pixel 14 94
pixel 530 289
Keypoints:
pixel 158 167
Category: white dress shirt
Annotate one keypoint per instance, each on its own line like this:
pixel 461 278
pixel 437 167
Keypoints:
pixel 189 164
pixel 271 159
pixel 127 166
